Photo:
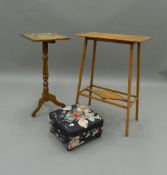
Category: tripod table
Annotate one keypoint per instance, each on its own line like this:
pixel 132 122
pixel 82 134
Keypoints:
pixel 114 97
pixel 45 38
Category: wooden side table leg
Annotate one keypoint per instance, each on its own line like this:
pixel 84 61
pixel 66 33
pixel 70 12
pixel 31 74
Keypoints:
pixel 81 69
pixel 45 94
pixel 92 68
pixel 54 100
pixel 138 80
pixel 45 78
pixel 40 103
pixel 129 89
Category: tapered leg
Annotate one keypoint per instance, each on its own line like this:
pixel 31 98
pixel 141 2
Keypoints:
pixel 81 70
pixel 138 81
pixel 92 68
pixel 129 89
pixel 45 94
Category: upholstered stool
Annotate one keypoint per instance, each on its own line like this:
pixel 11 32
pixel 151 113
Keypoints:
pixel 75 125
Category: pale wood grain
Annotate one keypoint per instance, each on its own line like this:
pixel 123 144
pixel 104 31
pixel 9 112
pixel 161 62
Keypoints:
pixel 129 89
pixel 115 37
pixel 109 95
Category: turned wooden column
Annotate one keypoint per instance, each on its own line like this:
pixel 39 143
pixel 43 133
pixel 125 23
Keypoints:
pixel 46 96
pixel 45 69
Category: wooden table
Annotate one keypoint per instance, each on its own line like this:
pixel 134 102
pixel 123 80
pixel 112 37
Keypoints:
pixel 114 97
pixel 45 38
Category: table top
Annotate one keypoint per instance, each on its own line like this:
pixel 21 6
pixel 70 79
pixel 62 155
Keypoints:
pixel 115 37
pixel 37 37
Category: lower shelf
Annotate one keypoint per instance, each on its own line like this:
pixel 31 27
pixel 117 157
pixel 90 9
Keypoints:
pixel 110 96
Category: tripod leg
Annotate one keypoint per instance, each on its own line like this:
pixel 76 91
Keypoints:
pixel 53 99
pixel 41 102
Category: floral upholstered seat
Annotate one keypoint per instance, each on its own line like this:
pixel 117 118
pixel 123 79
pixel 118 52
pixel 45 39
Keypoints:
pixel 75 125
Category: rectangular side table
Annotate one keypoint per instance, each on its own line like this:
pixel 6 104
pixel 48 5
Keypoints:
pixel 45 38
pixel 114 97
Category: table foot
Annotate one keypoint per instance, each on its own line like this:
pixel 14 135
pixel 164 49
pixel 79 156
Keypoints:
pixel 40 103
pixel 46 98
pixel 54 100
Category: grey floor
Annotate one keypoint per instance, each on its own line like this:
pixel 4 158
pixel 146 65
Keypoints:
pixel 28 148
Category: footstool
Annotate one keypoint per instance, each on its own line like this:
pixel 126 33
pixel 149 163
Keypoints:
pixel 75 125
